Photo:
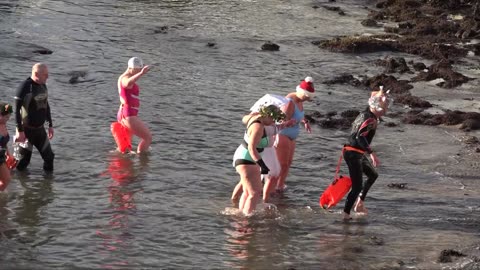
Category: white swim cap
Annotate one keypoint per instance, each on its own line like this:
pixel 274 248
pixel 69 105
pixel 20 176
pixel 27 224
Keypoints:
pixel 135 62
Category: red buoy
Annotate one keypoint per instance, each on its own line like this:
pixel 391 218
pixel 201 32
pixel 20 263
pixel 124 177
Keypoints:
pixel 122 136
pixel 11 162
pixel 335 192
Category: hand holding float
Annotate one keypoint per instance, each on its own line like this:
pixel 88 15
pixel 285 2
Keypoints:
pixel 19 137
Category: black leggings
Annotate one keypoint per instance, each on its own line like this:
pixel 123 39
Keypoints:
pixel 357 165
pixel 38 138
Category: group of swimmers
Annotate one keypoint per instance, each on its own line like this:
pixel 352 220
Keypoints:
pixel 32 112
pixel 269 143
pixel 267 149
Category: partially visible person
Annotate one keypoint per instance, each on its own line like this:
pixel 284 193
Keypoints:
pixel 247 159
pixel 6 111
pixel 359 144
pixel 285 148
pixel 32 110
pixel 129 93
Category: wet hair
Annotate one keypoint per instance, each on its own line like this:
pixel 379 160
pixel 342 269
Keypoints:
pixel 272 111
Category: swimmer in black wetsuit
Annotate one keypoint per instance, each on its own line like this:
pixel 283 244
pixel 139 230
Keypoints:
pixel 363 131
pixel 31 112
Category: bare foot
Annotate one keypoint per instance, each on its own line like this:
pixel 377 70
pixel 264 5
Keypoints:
pixel 360 207
pixel 346 217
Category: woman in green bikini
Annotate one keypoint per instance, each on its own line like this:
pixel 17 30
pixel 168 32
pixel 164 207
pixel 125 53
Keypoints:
pixel 247 158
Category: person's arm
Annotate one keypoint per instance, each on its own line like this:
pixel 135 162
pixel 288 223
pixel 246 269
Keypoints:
pixel 19 96
pixel 128 82
pixel 307 126
pixel 49 116
pixel 255 134
pixel 50 123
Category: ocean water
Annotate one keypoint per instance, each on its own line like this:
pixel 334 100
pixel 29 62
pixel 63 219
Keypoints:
pixel 172 209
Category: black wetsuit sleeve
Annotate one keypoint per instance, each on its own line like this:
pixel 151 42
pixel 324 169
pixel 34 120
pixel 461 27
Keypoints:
pixel 49 116
pixel 22 90
pixel 363 132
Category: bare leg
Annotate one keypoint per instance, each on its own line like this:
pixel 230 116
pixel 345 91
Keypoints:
pixel 140 129
pixel 269 187
pixel 237 192
pixel 4 176
pixel 285 151
pixel 252 187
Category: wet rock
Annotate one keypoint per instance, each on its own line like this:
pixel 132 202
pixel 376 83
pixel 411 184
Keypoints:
pixel 397 185
pixel 336 123
pixel 390 124
pixel 470 124
pixel 389 82
pixel 393 65
pixel 332 8
pixel 447 254
pixel 350 114
pixel 310 119
pixel 420 118
pixel 405 25
pixel 412 101
pixel 448 118
pixel 425 28
pixel 76 76
pixel 344 79
pixel 331 114
pixel 161 30
pixel 360 44
pixel 269 46
pixel 43 51
pixel 377 241
pixel 442 70
pixel 419 66
pixel 342 13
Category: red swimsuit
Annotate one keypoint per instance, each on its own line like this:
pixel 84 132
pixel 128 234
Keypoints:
pixel 132 102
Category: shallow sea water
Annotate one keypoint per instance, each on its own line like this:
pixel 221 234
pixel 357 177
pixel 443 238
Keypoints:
pixel 171 209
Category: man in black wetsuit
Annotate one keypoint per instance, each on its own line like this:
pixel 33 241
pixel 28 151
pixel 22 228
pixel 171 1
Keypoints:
pixel 363 131
pixel 31 112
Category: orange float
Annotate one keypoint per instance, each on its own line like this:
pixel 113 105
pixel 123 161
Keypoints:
pixel 122 137
pixel 335 192
pixel 11 162
pixel 337 189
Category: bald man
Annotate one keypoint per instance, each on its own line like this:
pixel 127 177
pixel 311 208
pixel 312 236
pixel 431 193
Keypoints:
pixel 31 112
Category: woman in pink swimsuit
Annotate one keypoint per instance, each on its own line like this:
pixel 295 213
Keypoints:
pixel 130 102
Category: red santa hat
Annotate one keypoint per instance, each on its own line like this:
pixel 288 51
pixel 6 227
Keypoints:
pixel 306 87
